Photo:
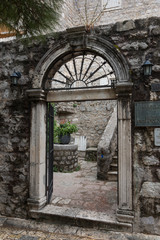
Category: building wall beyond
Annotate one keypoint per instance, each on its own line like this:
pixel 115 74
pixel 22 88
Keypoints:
pixel 125 10
pixel 91 118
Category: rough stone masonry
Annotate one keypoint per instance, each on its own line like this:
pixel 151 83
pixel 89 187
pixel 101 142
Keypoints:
pixel 135 40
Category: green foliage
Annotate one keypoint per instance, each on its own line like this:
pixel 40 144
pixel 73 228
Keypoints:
pixel 30 17
pixel 55 137
pixel 56 169
pixel 78 168
pixel 74 105
pixel 66 128
pixel 54 108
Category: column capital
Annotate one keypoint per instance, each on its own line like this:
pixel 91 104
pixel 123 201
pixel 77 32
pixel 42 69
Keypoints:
pixel 124 89
pixel 36 94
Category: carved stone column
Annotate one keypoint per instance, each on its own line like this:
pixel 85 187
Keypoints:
pixel 37 190
pixel 125 207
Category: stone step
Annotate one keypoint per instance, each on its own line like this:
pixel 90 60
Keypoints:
pixel 80 218
pixel 113 176
pixel 115 159
pixel 113 171
pixel 92 149
pixel 114 167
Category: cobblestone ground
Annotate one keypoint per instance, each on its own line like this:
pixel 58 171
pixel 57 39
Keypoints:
pixel 15 234
pixel 21 229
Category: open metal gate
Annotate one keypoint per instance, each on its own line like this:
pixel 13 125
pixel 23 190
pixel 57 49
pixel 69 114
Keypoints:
pixel 50 146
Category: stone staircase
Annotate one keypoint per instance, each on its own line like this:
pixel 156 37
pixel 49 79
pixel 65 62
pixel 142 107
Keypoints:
pixel 113 171
pixel 107 151
pixel 91 155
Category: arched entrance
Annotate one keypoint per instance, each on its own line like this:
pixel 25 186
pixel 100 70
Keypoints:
pixel 75 45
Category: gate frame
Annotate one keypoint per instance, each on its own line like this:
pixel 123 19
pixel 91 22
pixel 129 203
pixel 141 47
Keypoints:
pixel 39 97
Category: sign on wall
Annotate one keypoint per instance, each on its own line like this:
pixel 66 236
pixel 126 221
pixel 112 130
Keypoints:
pixel 111 4
pixel 157 137
pixel 147 114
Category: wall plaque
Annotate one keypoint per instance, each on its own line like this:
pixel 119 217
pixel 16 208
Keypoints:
pixel 147 114
pixel 157 137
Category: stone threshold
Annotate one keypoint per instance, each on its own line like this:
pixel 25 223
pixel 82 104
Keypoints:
pixel 80 218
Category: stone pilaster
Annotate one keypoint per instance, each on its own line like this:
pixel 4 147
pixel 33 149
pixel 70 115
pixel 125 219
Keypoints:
pixel 37 191
pixel 125 206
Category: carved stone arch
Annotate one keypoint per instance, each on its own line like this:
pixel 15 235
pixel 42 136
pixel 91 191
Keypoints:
pixel 93 43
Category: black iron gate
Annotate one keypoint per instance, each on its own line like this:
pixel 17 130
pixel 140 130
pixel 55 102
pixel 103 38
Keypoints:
pixel 50 145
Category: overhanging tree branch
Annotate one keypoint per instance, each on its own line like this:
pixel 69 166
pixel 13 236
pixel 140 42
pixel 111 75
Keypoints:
pixel 31 17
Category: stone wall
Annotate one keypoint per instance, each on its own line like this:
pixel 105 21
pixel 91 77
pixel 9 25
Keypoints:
pixel 67 16
pixel 135 40
pixel 15 125
pixel 65 157
pixel 91 118
pixel 126 10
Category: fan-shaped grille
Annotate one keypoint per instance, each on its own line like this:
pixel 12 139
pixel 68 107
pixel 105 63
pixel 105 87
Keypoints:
pixel 84 70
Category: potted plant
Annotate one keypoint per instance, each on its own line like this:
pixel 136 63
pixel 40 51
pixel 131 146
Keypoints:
pixel 63 131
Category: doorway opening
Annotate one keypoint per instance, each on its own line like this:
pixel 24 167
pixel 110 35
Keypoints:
pixel 80 182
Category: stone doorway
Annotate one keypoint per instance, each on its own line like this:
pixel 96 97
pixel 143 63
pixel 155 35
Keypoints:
pixel 39 96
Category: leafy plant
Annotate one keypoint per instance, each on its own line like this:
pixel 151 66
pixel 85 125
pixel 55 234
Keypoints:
pixel 65 129
pixel 74 105
pixel 55 169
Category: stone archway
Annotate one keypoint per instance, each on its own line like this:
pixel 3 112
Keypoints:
pixel 72 42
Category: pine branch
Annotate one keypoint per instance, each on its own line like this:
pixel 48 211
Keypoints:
pixel 31 16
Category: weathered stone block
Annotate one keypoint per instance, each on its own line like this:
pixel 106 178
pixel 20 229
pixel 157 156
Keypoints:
pixel 150 160
pixel 135 46
pixel 158 173
pixel 156 68
pixel 156 30
pixel 148 224
pixel 150 190
pixel 125 26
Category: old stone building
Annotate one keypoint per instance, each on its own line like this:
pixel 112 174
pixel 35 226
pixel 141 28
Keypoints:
pixel 125 45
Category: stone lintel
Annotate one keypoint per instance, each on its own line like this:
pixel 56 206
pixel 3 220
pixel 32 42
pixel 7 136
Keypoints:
pixel 36 94
pixel 81 95
pixel 36 203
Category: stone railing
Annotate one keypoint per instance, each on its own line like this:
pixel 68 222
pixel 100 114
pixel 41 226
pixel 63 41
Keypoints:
pixel 107 147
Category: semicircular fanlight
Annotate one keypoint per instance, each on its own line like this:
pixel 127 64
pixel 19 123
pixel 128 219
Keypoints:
pixel 84 70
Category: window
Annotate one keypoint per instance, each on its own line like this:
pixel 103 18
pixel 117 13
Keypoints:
pixel 111 4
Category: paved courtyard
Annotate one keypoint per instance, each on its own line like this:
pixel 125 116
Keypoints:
pixel 82 190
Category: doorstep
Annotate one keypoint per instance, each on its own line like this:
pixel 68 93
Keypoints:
pixel 80 218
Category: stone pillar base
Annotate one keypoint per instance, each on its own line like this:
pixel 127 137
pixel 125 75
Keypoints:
pixel 125 216
pixel 36 204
